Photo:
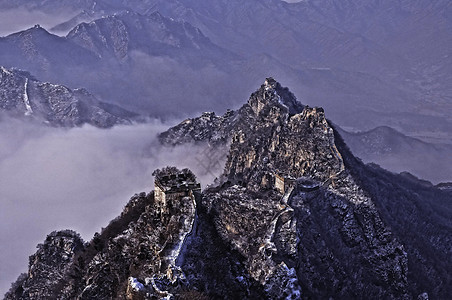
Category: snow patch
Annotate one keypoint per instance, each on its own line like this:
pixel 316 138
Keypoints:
pixel 241 279
pixel 27 100
pixel 280 101
pixel 186 230
pixel 292 285
pixel 135 284
pixel 4 70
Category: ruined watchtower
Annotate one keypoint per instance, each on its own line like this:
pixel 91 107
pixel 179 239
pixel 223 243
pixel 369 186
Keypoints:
pixel 172 184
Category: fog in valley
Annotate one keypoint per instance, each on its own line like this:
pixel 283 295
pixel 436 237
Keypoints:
pixel 80 179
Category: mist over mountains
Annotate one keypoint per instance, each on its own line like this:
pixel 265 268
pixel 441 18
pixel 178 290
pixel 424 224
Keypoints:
pixel 78 178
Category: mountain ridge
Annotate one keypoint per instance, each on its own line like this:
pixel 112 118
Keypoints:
pixel 22 95
pixel 397 152
pixel 125 49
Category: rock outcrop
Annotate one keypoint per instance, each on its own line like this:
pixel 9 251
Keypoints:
pixel 49 265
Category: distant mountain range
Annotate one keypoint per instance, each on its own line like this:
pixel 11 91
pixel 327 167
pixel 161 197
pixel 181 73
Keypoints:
pixel 21 95
pixel 120 34
pixel 370 63
pixel 130 59
pixel 398 153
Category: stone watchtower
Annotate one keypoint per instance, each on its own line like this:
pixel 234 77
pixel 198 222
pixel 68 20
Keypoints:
pixel 175 197
pixel 172 184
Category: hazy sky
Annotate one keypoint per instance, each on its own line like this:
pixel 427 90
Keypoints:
pixel 52 179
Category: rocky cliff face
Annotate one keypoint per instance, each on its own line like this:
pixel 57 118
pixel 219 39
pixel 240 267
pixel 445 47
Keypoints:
pixel 21 94
pixel 294 216
pixel 208 127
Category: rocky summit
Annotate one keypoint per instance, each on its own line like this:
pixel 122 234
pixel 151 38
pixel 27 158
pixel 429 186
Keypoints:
pixel 294 216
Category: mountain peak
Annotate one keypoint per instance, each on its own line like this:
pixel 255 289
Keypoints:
pixel 270 83
pixel 271 93
pixel 37 29
pixel 37 32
